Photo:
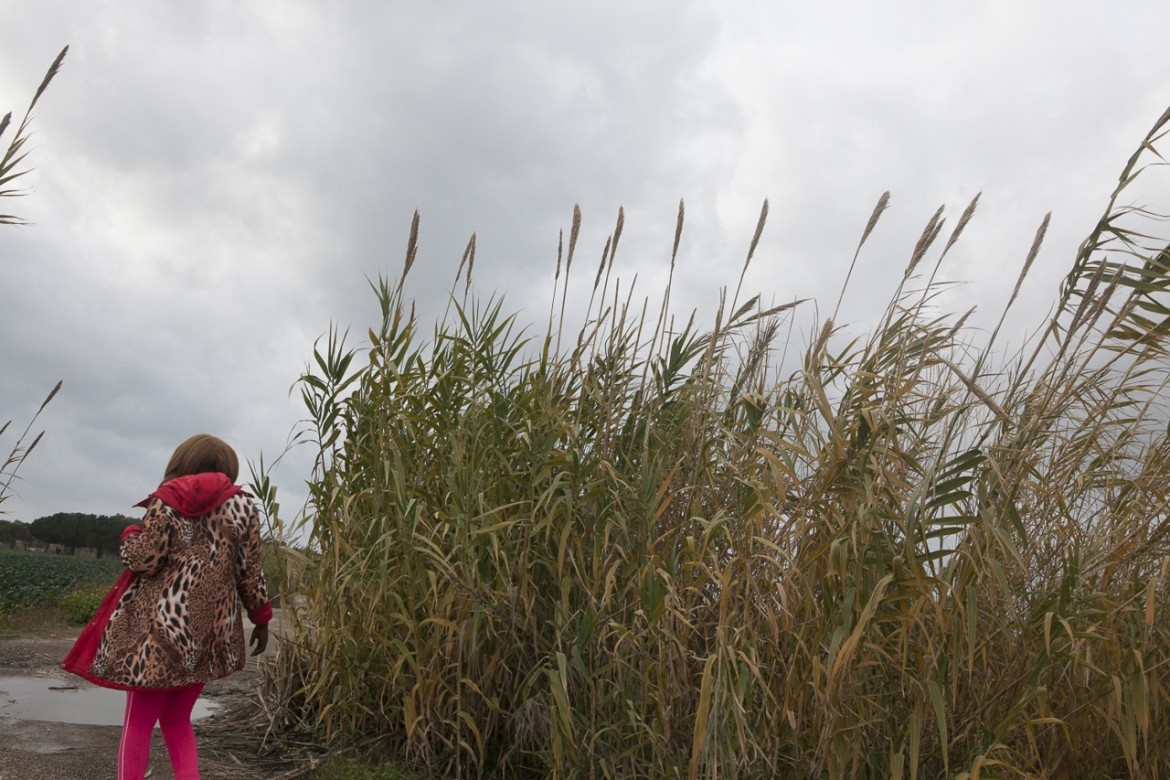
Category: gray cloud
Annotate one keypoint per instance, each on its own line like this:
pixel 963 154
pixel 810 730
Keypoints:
pixel 215 182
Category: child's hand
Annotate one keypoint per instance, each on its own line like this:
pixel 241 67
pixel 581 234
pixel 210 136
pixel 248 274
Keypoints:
pixel 259 639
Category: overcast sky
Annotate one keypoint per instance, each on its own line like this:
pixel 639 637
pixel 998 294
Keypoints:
pixel 214 182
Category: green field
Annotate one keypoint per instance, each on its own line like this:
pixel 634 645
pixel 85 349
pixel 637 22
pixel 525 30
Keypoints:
pixel 32 579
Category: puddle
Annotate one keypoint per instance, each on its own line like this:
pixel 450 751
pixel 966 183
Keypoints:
pixel 57 701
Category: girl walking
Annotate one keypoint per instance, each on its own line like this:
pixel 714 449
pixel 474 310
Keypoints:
pixel 174 620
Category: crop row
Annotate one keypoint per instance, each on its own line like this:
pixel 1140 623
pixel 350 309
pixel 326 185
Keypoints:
pixel 32 579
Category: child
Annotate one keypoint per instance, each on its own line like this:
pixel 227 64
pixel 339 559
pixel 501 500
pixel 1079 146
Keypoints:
pixel 173 621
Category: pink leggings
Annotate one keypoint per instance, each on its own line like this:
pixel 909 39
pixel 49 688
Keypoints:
pixel 171 709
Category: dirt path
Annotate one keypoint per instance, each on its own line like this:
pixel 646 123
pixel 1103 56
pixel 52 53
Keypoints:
pixel 47 750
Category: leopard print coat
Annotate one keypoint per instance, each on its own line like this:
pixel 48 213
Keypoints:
pixel 180 621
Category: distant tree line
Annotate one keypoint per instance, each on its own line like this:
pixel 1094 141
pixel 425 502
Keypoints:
pixel 13 531
pixel 70 530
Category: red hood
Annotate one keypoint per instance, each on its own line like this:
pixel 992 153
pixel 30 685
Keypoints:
pixel 195 495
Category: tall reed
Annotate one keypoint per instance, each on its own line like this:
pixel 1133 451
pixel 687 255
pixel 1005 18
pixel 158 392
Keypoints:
pixel 20 449
pixel 644 552
pixel 15 154
pixel 10 173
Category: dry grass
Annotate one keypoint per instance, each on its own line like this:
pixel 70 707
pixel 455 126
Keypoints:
pixel 644 554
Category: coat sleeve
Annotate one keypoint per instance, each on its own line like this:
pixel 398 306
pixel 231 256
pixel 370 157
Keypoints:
pixel 148 550
pixel 250 581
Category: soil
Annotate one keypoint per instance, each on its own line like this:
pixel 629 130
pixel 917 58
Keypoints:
pixel 44 750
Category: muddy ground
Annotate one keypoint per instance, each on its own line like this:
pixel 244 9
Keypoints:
pixel 44 750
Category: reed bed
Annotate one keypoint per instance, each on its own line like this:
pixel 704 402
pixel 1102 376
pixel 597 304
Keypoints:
pixel 650 550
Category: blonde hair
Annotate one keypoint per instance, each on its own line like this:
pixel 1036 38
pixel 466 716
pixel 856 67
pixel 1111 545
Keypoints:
pixel 200 454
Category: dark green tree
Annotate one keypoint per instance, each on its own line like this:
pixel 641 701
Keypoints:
pixel 13 531
pixel 74 529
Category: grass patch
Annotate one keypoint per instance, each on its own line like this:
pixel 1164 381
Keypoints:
pixel 79 605
pixel 47 621
pixel 342 769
